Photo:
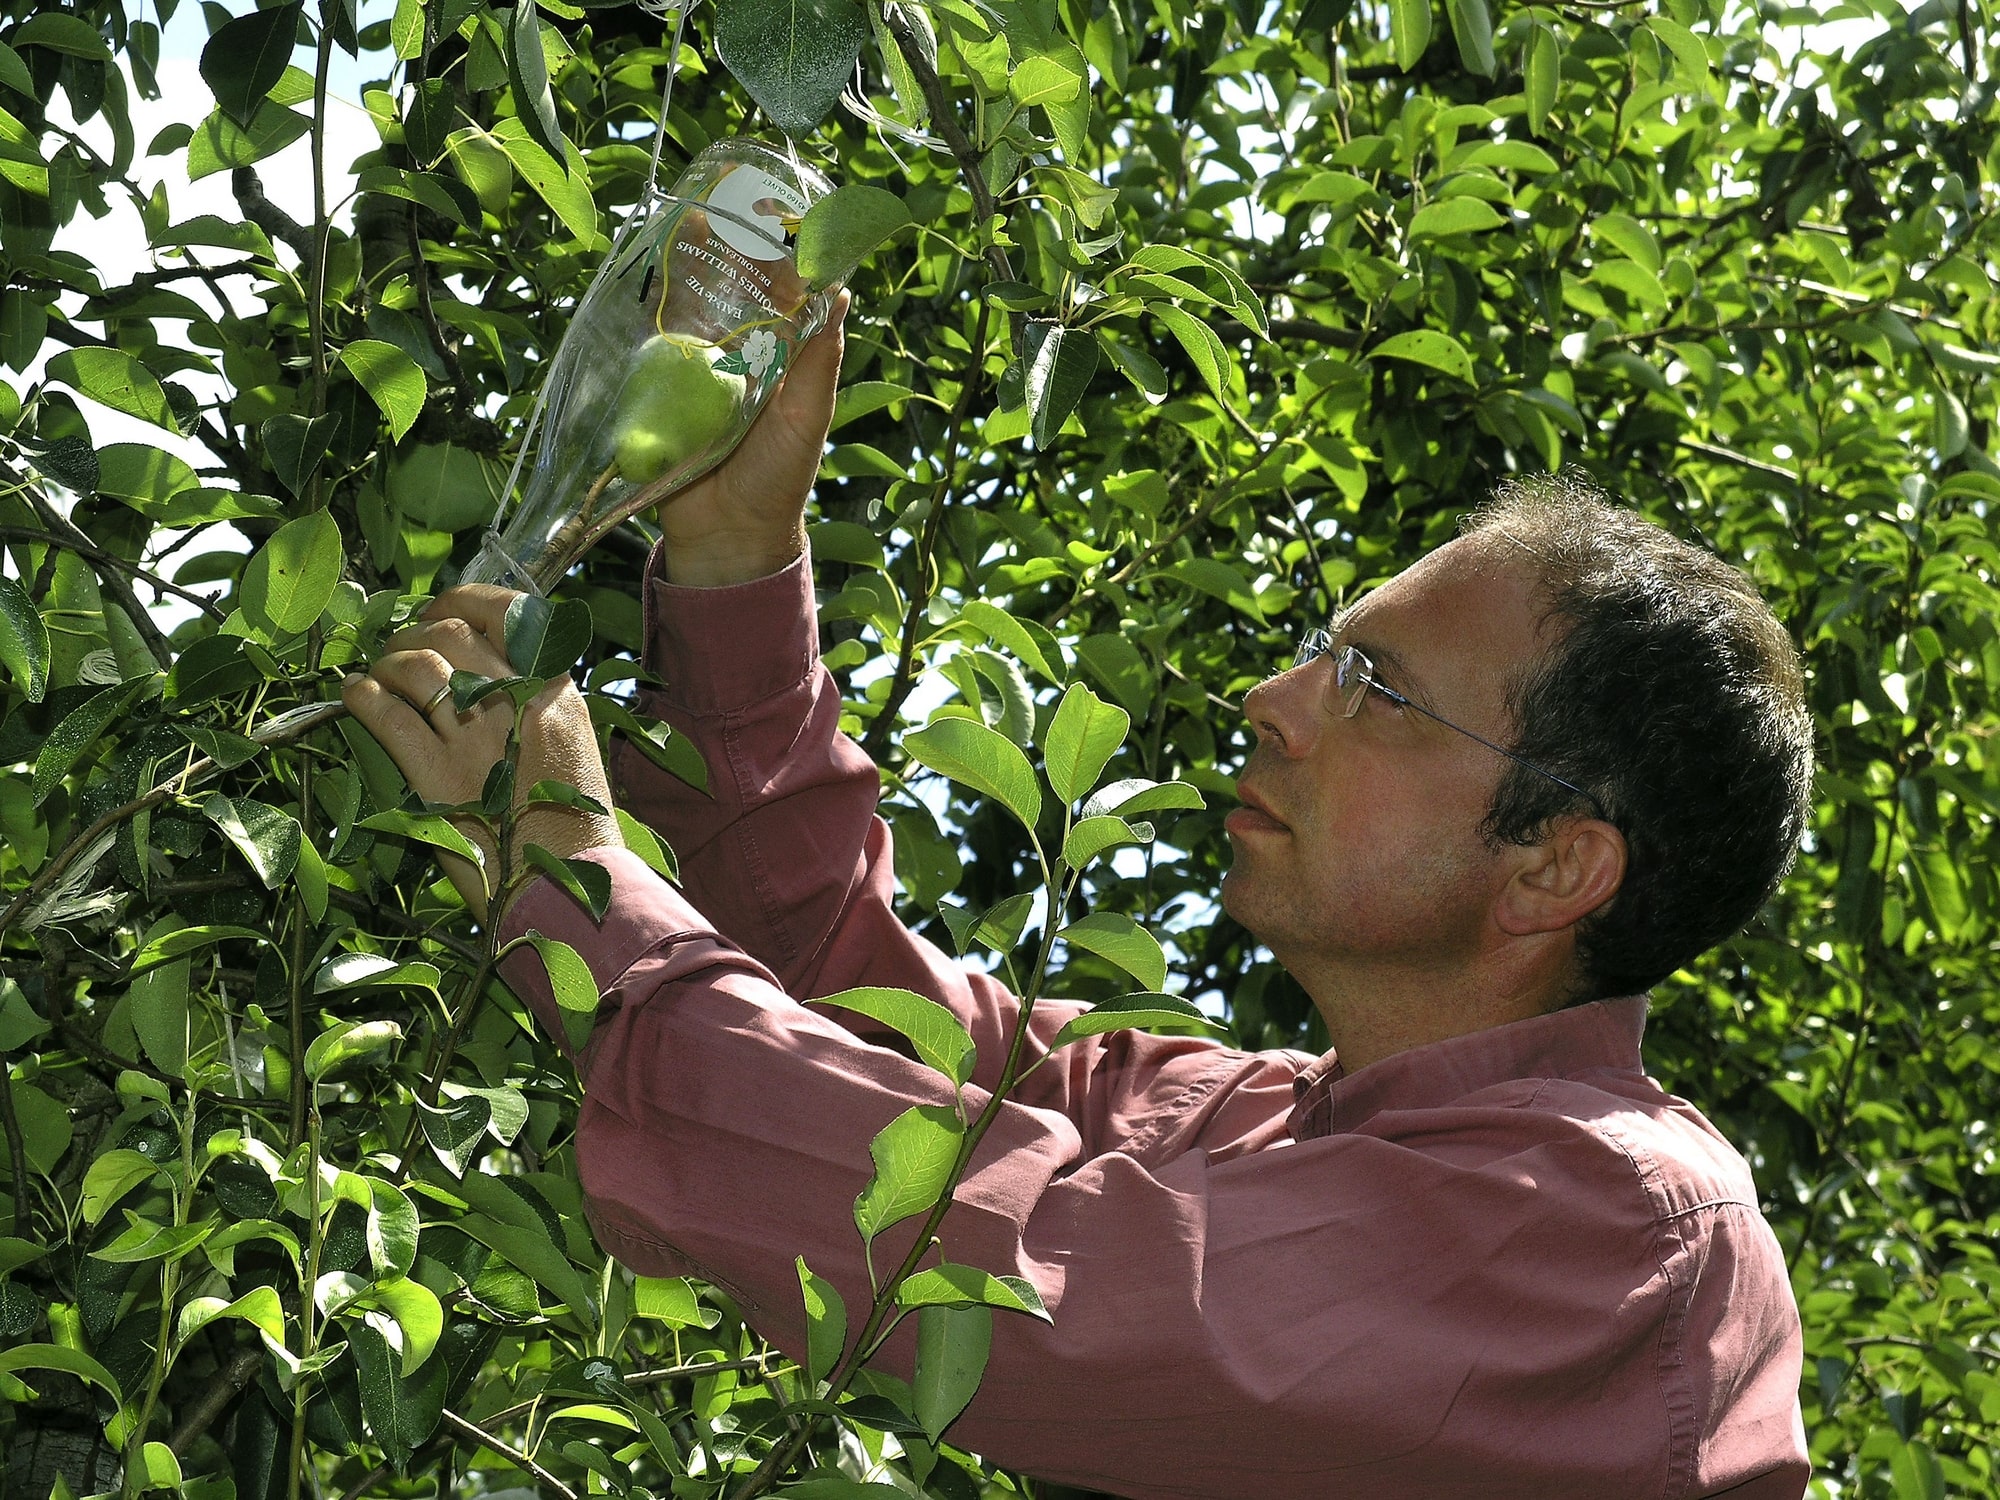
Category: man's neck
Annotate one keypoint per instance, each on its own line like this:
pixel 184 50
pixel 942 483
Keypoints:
pixel 1374 1011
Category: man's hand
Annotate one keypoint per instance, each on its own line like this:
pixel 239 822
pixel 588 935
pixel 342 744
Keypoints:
pixel 446 755
pixel 745 518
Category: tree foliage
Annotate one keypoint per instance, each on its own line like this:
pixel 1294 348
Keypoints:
pixel 1208 319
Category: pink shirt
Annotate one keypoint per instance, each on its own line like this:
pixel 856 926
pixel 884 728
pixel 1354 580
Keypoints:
pixel 1502 1265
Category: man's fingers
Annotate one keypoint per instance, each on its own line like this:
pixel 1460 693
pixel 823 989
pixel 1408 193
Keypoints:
pixel 481 605
pixel 416 676
pixel 394 722
pixel 459 641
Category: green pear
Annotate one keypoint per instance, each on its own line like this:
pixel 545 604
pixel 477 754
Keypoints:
pixel 674 406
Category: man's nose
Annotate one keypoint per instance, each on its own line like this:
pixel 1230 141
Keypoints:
pixel 1285 711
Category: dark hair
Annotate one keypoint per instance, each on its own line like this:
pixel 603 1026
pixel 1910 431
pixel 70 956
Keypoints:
pixel 1676 697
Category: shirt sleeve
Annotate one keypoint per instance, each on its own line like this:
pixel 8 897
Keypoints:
pixel 786 857
pixel 1475 1310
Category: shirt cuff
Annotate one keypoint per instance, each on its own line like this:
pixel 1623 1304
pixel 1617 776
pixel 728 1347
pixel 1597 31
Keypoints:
pixel 721 649
pixel 644 915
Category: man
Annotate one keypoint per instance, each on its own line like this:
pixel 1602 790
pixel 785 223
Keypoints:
pixel 1473 1251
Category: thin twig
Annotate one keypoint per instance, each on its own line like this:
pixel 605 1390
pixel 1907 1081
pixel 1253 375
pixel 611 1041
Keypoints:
pixel 1741 460
pixel 97 554
pixel 971 163
pixel 215 1399
pixel 17 1154
pixel 877 738
pixel 507 1451
pixel 114 580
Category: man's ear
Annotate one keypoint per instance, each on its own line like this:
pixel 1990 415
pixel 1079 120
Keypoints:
pixel 1563 879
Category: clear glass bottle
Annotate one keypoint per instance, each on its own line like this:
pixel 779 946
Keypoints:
pixel 672 352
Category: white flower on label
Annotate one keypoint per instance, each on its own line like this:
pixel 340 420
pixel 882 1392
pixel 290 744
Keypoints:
pixel 758 351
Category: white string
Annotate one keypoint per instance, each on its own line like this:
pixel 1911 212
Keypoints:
pixel 667 93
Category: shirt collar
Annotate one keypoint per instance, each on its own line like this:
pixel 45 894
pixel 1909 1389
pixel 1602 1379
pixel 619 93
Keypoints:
pixel 1578 1039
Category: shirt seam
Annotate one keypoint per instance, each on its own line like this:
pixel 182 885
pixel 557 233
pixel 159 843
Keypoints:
pixel 1676 1399
pixel 665 696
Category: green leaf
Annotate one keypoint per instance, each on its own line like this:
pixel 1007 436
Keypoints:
pixel 1092 836
pixel 952 1346
pixel 547 637
pixel 648 845
pixel 1141 1011
pixel 983 759
pixel 157 1006
pixel 77 733
pixel 348 1042
pixel 588 884
pixel 1541 71
pixel 569 976
pixel 913 1156
pixel 59 31
pixel 244 59
pixel 425 828
pixel 509 1107
pixel 358 971
pixel 1120 940
pixel 826 1324
pixel 843 229
pixel 966 1286
pixel 1044 78
pixel 111 1177
pixel 116 379
pixel 258 1307
pixel 561 182
pixel 46 1127
pixel 1200 341
pixel 144 1240
pixel 792 56
pixel 293 575
pixel 528 73
pixel 1454 216
pixel 171 945
pixel 57 1357
pixel 530 1250
pixel 143 474
pixel 1426 346
pixel 296 447
pixel 1082 737
pixel 670 1300
pixel 1010 635
pixel 1219 580
pixel 416 1310
pixel 1472 25
pixel 220 144
pixel 1410 30
pixel 1690 56
pixel 392 1230
pixel 14 73
pixel 1057 366
pixel 24 641
pixel 455 1131
pixel 391 377
pixel 939 1038
pixel 406 30
pixel 402 1413
pixel 267 836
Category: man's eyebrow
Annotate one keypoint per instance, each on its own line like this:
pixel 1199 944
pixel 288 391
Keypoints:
pixel 1395 668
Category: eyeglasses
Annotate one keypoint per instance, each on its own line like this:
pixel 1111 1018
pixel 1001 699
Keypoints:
pixel 1354 675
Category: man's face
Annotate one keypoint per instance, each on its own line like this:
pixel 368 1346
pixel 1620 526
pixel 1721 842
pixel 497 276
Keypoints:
pixel 1359 838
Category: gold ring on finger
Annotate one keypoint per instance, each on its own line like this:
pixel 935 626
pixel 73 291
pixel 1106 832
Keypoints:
pixel 437 698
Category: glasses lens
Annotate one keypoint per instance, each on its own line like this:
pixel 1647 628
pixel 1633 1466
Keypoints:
pixel 1351 674
pixel 1312 645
